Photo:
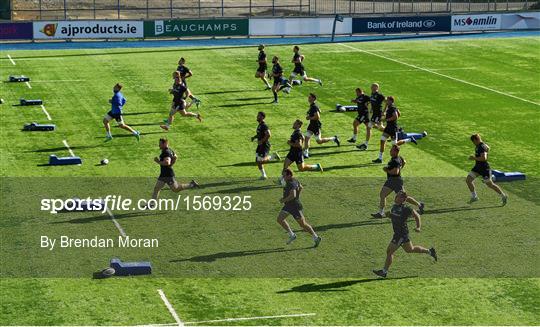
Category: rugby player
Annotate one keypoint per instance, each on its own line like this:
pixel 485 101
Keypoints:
pixel 179 92
pixel 263 144
pixel 376 103
pixel 314 127
pixel 299 69
pixel 280 82
pixel 292 206
pixel 399 214
pixel 391 130
pixel 166 161
pixel 482 168
pixel 394 182
pixel 261 71
pixel 295 152
pixel 362 101
pixel 117 103
pixel 186 73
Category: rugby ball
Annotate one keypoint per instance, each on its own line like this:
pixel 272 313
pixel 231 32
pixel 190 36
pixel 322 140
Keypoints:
pixel 105 161
pixel 108 272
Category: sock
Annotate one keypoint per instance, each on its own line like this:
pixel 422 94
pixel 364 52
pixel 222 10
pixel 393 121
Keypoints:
pixel 381 211
pixel 354 136
pixel 318 80
pixel 109 134
pixel 135 132
pixel 366 143
pixel 407 140
pixel 473 194
pixel 275 96
pixel 315 236
pixel 380 155
pixel 384 270
pixel 291 233
pixel 306 151
pixel 263 173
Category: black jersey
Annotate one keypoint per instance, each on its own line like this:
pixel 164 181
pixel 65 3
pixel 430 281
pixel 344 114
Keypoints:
pixel 298 65
pixel 390 111
pixel 376 100
pixel 178 91
pixel 480 149
pixel 183 71
pixel 291 185
pixel 277 70
pixel 262 129
pixel 295 136
pixel 166 171
pixel 399 215
pixel 313 110
pixel 362 104
pixel 262 57
pixel 396 162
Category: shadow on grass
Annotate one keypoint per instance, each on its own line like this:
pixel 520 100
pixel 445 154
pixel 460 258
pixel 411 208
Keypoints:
pixel 330 168
pixel 335 286
pixel 320 154
pixel 236 105
pixel 141 113
pixel 457 209
pixel 353 224
pixel 248 99
pixel 249 164
pixel 245 189
pixel 63 148
pixel 235 254
pixel 102 217
pixel 231 91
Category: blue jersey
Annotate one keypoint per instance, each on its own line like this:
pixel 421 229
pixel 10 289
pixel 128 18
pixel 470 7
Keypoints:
pixel 117 102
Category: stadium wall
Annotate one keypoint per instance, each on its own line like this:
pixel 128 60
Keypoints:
pixel 261 27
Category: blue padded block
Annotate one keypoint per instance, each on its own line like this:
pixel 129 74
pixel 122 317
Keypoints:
pixel 54 160
pixel 39 127
pixel 21 78
pixel 130 268
pixel 500 176
pixel 33 102
pixel 417 136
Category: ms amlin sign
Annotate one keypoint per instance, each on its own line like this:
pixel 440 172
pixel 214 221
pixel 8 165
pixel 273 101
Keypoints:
pixel 401 24
pixel 196 27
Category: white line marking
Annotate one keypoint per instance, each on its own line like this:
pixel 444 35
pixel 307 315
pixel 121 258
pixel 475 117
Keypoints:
pixel 253 318
pixel 439 74
pixel 170 308
pixel 416 70
pixel 69 149
pixel 46 112
pixel 28 84
pixel 115 222
pixel 11 59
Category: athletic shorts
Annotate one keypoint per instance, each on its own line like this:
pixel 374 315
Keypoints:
pixel 118 117
pixel 297 157
pixel 313 129
pixel 363 118
pixel 376 118
pixel 483 171
pixel 262 69
pixel 391 130
pixel 394 183
pixel 177 106
pixel 262 150
pixel 167 180
pixel 399 239
pixel 299 71
pixel 294 210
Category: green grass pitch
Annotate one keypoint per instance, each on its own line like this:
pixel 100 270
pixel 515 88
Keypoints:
pixel 219 265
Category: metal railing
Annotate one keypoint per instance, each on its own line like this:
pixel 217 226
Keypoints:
pixel 166 9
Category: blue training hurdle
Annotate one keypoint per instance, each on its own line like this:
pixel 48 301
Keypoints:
pixel 130 268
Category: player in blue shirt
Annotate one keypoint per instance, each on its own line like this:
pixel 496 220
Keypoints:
pixel 117 103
